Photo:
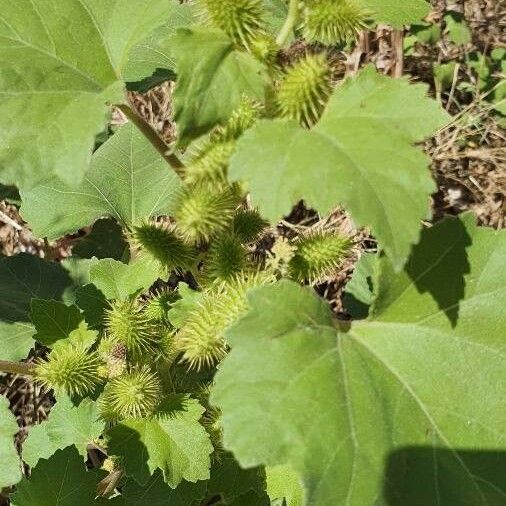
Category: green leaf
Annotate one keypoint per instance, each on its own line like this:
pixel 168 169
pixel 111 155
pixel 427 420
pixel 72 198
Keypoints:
pixel 283 483
pixel 251 499
pixel 458 30
pixel 10 465
pixel 128 180
pixel 67 425
pixel 213 78
pixel 157 493
pixel 172 441
pixel 23 277
pixel 93 304
pixel 105 240
pixel 15 340
pixel 397 14
pixel 405 389
pixel 229 480
pixel 53 320
pixel 152 53
pixel 61 480
pixel 359 293
pixel 360 154
pixel 179 311
pixel 56 89
pixel 117 280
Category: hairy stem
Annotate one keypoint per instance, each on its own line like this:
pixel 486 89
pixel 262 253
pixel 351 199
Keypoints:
pixel 157 142
pixel 290 22
pixel 17 368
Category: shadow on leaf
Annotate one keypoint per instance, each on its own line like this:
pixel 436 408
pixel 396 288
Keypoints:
pixel 422 476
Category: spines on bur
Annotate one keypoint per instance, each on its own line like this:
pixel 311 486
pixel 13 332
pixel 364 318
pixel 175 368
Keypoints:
pixel 227 257
pixel 305 89
pixel 248 225
pixel 318 254
pixel 134 394
pixel 333 21
pixel 71 368
pixel 241 20
pixel 164 245
pixel 202 213
pixel 127 323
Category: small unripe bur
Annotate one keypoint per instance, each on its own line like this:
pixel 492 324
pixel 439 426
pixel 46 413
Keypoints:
pixel 73 369
pixel 158 305
pixel 127 323
pixel 318 255
pixel 202 214
pixel 305 90
pixel 227 257
pixel 248 225
pixel 333 21
pixel 164 245
pixel 241 20
pixel 134 394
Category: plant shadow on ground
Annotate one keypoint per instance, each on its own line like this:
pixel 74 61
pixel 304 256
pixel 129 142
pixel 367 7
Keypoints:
pixel 429 265
pixel 423 476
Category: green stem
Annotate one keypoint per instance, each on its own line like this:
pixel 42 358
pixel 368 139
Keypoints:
pixel 151 135
pixel 17 368
pixel 290 22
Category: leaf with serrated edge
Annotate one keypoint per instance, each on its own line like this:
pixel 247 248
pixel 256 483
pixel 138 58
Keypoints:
pixel 360 154
pixel 173 441
pixel 53 320
pixel 67 425
pixel 213 78
pixel 10 466
pixel 15 340
pixel 395 13
pixel 117 280
pixel 61 480
pixel 23 277
pixel 56 90
pixel 337 404
pixel 128 180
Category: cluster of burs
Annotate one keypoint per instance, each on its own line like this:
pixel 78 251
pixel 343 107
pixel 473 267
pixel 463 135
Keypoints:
pixel 151 343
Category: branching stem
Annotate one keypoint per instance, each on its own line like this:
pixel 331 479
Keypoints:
pixel 151 135
pixel 17 368
pixel 290 22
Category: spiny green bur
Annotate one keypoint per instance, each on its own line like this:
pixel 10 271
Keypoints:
pixel 305 90
pixel 73 369
pixel 332 21
pixel 318 255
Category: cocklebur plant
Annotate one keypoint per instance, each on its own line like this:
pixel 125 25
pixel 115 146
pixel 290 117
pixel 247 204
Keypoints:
pixel 192 352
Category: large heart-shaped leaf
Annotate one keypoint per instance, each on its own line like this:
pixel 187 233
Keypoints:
pixel 128 180
pixel 391 406
pixel 360 154
pixel 56 89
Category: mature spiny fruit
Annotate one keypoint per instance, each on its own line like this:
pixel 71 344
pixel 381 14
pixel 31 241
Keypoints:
pixel 114 355
pixel 242 118
pixel 164 245
pixel 332 21
pixel 201 338
pixel 248 225
pixel 305 89
pixel 128 324
pixel 241 20
pixel 158 305
pixel 209 166
pixel 134 394
pixel 202 213
pixel 318 255
pixel 227 257
pixel 72 368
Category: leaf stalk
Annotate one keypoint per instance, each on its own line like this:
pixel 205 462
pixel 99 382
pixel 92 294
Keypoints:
pixel 155 140
pixel 290 22
pixel 23 368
